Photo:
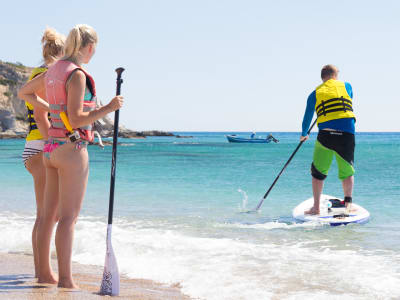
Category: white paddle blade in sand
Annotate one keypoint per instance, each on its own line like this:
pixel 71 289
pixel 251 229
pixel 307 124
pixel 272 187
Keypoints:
pixel 110 281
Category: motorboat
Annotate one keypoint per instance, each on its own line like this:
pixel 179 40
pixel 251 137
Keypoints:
pixel 233 138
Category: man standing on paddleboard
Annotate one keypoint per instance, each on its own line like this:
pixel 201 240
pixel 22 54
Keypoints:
pixel 332 101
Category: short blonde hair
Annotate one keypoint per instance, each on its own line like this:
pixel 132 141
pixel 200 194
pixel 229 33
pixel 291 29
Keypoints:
pixel 79 37
pixel 52 45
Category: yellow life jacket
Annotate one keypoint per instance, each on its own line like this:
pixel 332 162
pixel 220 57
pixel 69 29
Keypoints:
pixel 333 101
pixel 34 133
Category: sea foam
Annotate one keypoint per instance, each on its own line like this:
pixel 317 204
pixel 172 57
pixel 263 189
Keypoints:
pixel 224 268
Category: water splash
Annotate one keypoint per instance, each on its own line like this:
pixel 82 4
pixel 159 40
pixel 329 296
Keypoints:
pixel 243 205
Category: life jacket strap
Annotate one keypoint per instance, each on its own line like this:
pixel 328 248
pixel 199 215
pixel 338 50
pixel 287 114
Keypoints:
pixel 32 127
pixel 63 107
pixel 54 116
pixel 332 110
pixel 58 124
pixel 59 107
pixel 341 104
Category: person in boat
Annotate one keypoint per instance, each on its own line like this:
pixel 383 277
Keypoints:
pixel 32 156
pixel 333 104
pixel 253 135
pixel 71 92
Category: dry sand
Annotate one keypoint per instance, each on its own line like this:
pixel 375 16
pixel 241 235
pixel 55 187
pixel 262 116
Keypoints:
pixel 17 282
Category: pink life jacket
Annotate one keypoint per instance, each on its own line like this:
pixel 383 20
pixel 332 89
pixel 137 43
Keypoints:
pixel 56 79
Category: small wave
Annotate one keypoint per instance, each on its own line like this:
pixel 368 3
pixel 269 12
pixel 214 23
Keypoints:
pixel 224 268
pixel 186 143
pixel 270 225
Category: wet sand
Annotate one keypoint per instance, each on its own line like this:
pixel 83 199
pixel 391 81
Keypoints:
pixel 17 282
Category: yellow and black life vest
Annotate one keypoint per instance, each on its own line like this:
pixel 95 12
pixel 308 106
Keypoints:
pixel 333 102
pixel 34 133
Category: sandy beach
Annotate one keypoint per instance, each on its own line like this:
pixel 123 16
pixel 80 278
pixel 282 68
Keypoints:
pixel 17 282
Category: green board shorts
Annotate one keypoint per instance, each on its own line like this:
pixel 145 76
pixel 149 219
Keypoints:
pixel 329 143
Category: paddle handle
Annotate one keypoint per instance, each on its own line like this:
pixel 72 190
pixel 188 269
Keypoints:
pixel 284 167
pixel 114 149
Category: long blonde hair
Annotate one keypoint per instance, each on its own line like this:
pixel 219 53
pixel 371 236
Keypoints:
pixel 52 45
pixel 79 37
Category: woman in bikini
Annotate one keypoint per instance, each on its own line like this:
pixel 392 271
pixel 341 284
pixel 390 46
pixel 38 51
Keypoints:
pixel 71 92
pixel 52 49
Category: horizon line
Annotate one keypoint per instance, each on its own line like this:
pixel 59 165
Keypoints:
pixel 261 131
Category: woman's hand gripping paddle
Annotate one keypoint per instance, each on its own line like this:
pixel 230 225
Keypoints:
pixel 284 167
pixel 110 281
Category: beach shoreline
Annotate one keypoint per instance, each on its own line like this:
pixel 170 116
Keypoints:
pixel 17 282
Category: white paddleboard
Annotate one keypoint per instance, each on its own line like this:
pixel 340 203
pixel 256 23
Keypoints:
pixel 333 215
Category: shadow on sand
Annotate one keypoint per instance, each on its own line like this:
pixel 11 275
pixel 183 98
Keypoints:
pixel 17 282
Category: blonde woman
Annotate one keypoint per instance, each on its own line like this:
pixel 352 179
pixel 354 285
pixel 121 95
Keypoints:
pixel 70 90
pixel 52 49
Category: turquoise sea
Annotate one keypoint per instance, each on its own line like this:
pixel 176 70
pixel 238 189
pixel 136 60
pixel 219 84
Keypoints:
pixel 177 217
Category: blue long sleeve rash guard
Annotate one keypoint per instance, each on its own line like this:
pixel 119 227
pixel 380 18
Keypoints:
pixel 346 125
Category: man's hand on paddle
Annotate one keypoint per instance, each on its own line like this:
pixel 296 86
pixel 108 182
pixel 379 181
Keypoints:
pixel 303 138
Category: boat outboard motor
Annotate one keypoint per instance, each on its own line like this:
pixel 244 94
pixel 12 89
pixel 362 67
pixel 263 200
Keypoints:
pixel 270 137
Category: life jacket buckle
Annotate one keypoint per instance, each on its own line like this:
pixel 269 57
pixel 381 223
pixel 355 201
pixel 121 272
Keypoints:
pixel 74 136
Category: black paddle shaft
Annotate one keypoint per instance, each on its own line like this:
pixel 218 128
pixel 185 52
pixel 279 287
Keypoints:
pixel 284 167
pixel 114 149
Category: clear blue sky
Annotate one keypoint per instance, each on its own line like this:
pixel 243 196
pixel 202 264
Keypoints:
pixel 214 65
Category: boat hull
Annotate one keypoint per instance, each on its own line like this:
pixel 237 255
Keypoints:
pixel 234 139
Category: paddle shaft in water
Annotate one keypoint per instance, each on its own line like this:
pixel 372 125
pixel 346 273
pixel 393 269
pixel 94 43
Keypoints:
pixel 110 282
pixel 284 167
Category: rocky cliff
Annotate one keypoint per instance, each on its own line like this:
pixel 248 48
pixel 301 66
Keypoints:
pixel 13 122
pixel 12 110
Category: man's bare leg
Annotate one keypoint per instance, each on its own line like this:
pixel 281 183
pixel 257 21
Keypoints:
pixel 317 186
pixel 348 185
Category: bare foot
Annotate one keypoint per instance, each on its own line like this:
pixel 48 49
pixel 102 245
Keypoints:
pixel 68 284
pixel 50 278
pixel 312 211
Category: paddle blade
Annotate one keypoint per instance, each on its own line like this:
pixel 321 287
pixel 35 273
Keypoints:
pixel 110 281
pixel 257 209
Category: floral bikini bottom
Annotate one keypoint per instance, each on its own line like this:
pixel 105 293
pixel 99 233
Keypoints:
pixel 50 145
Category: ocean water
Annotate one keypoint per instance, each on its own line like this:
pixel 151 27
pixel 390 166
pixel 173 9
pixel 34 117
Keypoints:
pixel 177 217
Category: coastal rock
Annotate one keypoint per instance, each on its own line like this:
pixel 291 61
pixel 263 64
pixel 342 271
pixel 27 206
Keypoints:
pixel 9 134
pixel 12 77
pixel 156 133
pixel 7 120
pixel 183 136
pixel 13 112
